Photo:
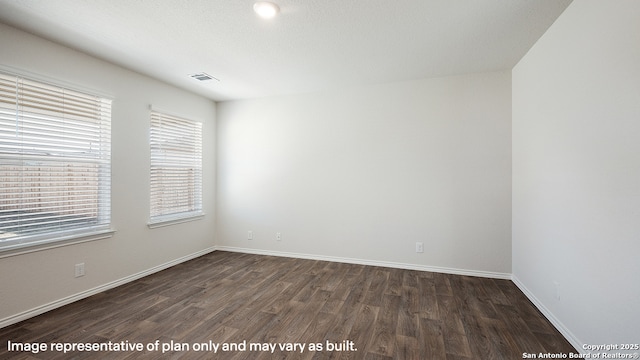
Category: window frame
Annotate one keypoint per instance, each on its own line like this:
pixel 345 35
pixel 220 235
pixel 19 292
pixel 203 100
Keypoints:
pixel 90 230
pixel 157 162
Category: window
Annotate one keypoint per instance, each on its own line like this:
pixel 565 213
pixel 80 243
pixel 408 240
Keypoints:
pixel 176 168
pixel 55 163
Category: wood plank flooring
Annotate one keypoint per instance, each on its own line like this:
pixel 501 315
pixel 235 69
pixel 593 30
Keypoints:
pixel 231 298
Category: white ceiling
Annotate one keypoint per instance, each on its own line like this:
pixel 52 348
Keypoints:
pixel 311 45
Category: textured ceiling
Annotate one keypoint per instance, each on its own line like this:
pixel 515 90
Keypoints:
pixel 311 45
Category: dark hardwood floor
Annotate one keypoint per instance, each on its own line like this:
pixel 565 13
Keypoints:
pixel 367 312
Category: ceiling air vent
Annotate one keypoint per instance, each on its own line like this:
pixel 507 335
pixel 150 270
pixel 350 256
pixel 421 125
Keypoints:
pixel 203 77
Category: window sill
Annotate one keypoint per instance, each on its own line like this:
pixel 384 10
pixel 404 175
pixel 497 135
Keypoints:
pixel 172 221
pixel 29 247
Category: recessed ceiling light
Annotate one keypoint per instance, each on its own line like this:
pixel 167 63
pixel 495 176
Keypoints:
pixel 266 9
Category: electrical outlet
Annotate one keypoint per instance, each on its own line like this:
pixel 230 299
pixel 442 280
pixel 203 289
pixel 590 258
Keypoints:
pixel 557 285
pixel 79 269
pixel 419 247
pixel 250 235
pixel 279 236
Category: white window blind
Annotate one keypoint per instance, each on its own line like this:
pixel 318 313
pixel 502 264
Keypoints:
pixel 55 166
pixel 176 168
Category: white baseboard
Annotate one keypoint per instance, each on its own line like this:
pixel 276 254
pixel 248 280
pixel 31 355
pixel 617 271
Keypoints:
pixel 84 294
pixel 571 338
pixel 486 274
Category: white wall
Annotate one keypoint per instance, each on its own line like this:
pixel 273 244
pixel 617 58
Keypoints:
pixel 365 173
pixel 33 281
pixel 576 172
